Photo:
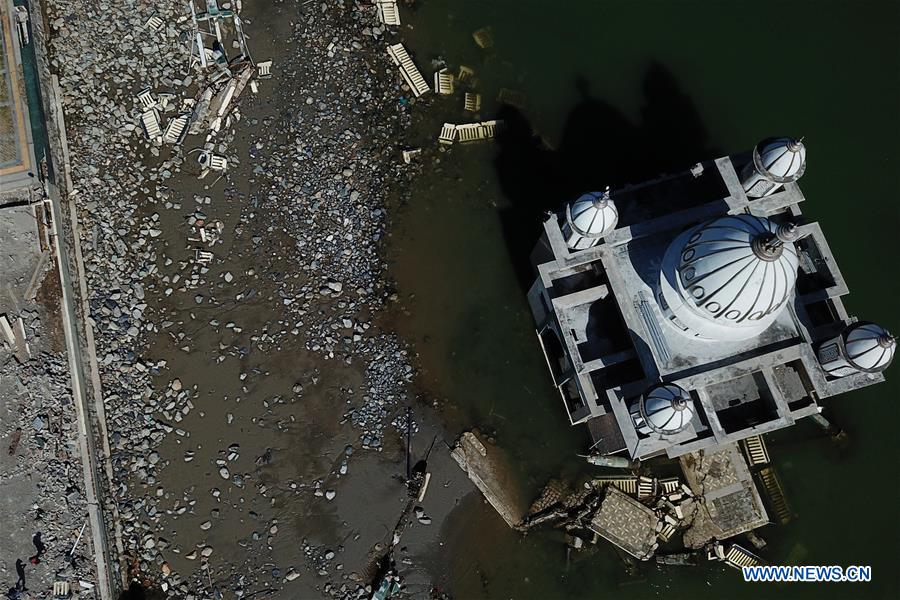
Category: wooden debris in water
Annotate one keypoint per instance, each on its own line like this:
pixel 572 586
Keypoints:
pixel 511 97
pixel 484 37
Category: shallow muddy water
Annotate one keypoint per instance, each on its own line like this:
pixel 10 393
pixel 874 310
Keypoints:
pixel 621 91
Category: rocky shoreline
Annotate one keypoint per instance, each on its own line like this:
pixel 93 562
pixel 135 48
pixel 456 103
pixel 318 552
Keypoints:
pixel 300 220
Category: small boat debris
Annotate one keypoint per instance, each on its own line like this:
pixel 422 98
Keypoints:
pixel 613 461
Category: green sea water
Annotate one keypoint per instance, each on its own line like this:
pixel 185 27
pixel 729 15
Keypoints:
pixel 621 90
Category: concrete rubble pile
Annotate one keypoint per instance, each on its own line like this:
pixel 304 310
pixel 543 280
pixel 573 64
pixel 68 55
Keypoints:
pixel 40 469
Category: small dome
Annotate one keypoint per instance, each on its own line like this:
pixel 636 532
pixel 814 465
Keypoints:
pixel 870 347
pixel 666 409
pixel 736 272
pixel 593 215
pixel 781 159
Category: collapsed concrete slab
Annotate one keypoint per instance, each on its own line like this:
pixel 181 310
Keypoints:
pixel 489 470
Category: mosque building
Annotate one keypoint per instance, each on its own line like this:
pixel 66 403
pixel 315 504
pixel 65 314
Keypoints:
pixel 698 309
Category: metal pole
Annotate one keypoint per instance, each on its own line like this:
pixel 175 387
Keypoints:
pixel 408 441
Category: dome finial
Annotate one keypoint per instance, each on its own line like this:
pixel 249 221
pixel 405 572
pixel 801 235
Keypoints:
pixel 787 232
pixel 601 200
pixel 795 145
pixel 768 245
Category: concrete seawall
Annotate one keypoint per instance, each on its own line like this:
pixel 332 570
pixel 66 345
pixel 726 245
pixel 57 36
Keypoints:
pixel 93 440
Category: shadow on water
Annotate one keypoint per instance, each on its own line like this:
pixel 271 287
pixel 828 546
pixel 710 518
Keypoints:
pixel 599 147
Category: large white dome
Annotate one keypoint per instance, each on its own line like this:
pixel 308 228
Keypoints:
pixel 870 348
pixel 781 159
pixel 593 215
pixel 665 409
pixel 729 278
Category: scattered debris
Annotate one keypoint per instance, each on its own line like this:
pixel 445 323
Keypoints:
pixel 22 25
pixel 409 155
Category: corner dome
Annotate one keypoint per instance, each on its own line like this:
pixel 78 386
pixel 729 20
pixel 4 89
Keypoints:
pixel 781 159
pixel 665 409
pixel 729 278
pixel 593 215
pixel 870 348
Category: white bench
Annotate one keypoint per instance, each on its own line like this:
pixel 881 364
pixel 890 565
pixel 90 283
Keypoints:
pixel 213 162
pixel 472 102
pixel 408 70
pixel 154 23
pixel 388 12
pixel 145 97
pixel 150 121
pixel 443 82
pixel 448 134
pixel 176 128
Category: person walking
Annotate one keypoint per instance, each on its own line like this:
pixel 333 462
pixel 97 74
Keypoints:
pixel 20 571
pixel 39 546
